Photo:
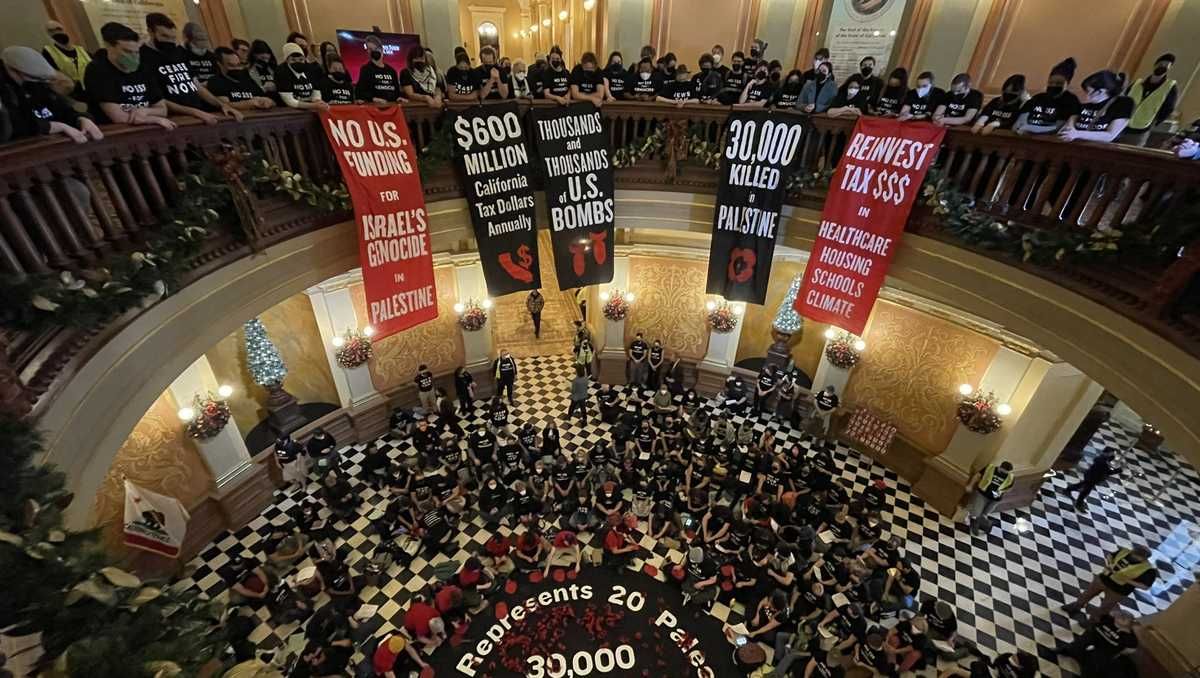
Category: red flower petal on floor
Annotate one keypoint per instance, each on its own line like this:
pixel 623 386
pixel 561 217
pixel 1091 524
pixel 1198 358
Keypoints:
pixel 427 672
pixel 572 574
pixel 535 577
pixel 560 576
pixel 650 570
pixel 501 610
pixel 510 587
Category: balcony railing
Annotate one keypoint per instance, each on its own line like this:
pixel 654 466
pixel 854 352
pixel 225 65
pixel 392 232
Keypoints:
pixel 67 207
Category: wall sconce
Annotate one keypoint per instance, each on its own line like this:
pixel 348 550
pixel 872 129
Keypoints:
pixel 589 5
pixel 562 16
pixel 546 23
pixel 1004 409
pixel 224 390
pixel 831 333
pixel 533 28
pixel 186 414
pixel 965 389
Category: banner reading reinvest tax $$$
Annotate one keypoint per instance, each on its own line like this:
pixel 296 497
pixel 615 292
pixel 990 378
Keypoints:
pixel 872 192
pixel 379 164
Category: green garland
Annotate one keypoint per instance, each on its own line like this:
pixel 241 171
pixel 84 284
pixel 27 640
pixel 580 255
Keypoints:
pixel 707 152
pixel 96 620
pixel 327 197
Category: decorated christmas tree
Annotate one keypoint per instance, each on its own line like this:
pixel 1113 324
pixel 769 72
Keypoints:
pixel 262 357
pixel 787 320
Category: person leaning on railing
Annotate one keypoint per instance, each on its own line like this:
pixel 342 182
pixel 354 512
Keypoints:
pixel 419 80
pixel 1104 114
pixel 120 87
pixel 297 80
pixel 28 105
pixel 168 64
pixel 233 85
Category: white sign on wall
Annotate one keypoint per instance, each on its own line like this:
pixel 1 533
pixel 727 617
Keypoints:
pixel 862 28
pixel 133 13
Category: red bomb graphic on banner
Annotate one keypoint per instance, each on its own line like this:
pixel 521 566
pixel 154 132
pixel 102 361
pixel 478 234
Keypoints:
pixel 870 196
pixel 573 149
pixel 379 165
pixel 761 150
pixel 493 162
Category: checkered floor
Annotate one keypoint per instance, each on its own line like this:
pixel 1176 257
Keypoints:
pixel 1007 588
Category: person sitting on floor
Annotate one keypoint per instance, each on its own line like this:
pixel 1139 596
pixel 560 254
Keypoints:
pixel 425 624
pixel 564 552
pixel 531 547
pixel 620 548
pixel 338 495
pixel 395 657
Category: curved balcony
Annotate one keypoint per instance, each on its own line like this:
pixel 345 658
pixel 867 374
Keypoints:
pixel 1122 323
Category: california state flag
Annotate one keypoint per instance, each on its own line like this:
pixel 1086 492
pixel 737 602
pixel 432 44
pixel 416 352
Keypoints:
pixel 154 522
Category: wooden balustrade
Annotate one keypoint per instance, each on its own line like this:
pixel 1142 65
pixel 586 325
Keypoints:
pixel 67 207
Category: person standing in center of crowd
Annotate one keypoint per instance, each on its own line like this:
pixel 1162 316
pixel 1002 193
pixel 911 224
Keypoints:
pixel 922 100
pixel 419 79
pixel 579 395
pixel 992 482
pixel 615 77
pixel 821 56
pixel 425 392
pixel 121 88
pixel 708 82
pixel 891 99
pixel 534 303
pixel 820 91
pixel 825 405
pixel 336 87
pixel 960 106
pixel 464 388
pixel 1153 101
pixel 1046 112
pixel 505 371
pixel 638 370
pixel 378 82
pixel 735 80
pixel 234 86
pixel 297 80
pixel 242 49
pixel 587 82
pixel 1002 111
pixel 184 94
pixel 495 83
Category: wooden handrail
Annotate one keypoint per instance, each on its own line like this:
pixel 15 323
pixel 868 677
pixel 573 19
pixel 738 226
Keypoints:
pixel 65 206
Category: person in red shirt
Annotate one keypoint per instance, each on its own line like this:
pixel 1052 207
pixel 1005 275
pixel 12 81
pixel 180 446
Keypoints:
pixel 565 548
pixel 619 546
pixel 395 656
pixel 424 623
pixel 473 579
pixel 452 605
pixel 531 547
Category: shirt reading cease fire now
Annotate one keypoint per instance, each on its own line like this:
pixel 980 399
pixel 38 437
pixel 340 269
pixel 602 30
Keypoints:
pixel 868 202
pixel 378 165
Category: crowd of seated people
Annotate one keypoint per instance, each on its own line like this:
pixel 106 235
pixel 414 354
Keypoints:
pixel 177 73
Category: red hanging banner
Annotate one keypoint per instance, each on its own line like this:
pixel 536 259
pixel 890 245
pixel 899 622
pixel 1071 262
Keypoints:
pixel 877 179
pixel 379 164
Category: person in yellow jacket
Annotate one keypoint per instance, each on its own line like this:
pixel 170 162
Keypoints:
pixel 66 57
pixel 1124 570
pixel 990 483
pixel 1154 99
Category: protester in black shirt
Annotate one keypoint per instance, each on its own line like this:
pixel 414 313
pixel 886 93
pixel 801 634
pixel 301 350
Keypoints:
pixel 1096 648
pixel 462 81
pixel 261 67
pixel 494 82
pixel 464 388
pixel 1002 111
pixel 787 95
pixel 505 371
pixel 960 105
pixel 1105 112
pixel 378 82
pixel 872 85
pixel 556 79
pixel 587 82
pixel 615 77
pixel 31 107
pixel 891 98
pixel 709 80
pixel 201 60
pixel 242 49
pixel 852 99
pixel 645 84
pixel 234 86
pixel 419 80
pixel 482 443
pixel 921 101
pixel 336 86
pixel 297 80
pixel 1046 112
pixel 169 64
pixel 121 88
pixel 735 80
pixel 680 91
pixel 758 91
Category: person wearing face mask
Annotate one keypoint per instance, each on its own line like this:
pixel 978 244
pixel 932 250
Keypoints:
pixel 960 106
pixel 1153 99
pixel 336 86
pixel 200 58
pixel 232 85
pixel 775 70
pixel 667 65
pixel 327 51
pixel 818 93
pixel 522 86
pixel 735 80
pixel 646 84
pixel 556 79
pixel 679 89
pixel 707 82
pixel 1046 112
pixel 168 62
pixel 495 84
pixel 819 57
pixel 378 82
pixel 462 81
pixel 587 82
pixel 1104 113
pixel 870 83
pixel 262 68
pixel 29 107
pixel 419 80
pixel 297 80
pixel 788 94
pixel 718 56
pixel 69 59
pixel 1002 111
pixel 121 88
pixel 922 100
pixel 301 41
pixel 758 91
pixel 758 54
pixel 852 99
pixel 891 98
pixel 616 80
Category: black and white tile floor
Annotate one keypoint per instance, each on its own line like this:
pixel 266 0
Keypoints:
pixel 1007 588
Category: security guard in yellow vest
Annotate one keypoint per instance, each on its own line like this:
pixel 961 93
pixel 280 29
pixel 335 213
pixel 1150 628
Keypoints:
pixel 1124 570
pixel 1153 99
pixel 71 60
pixel 990 484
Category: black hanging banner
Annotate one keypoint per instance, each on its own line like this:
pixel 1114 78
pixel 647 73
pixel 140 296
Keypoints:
pixel 493 161
pixel 579 192
pixel 762 148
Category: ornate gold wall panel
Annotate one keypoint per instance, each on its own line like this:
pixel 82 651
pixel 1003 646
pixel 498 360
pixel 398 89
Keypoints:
pixel 158 456
pixel 293 328
pixel 669 302
pixel 437 343
pixel 911 370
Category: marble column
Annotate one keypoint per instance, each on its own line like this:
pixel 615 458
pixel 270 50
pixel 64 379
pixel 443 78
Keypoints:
pixel 242 487
pixel 333 308
pixel 610 334
pixel 479 348
pixel 718 361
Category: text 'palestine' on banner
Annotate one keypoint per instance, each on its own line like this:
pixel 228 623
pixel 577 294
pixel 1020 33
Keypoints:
pixel 493 165
pixel 379 164
pixel 577 167
pixel 761 150
pixel 878 177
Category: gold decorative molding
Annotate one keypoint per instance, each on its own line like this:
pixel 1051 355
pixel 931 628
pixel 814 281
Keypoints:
pixel 669 303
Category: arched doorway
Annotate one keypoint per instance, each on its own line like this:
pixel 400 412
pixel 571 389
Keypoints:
pixel 512 327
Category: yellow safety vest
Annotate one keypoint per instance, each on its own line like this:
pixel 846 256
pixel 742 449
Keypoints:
pixel 1125 573
pixel 986 479
pixel 72 68
pixel 1146 107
